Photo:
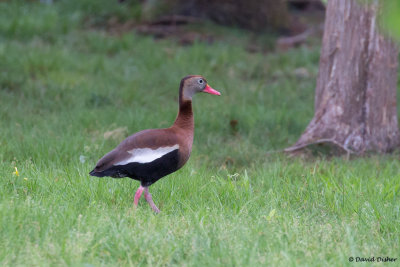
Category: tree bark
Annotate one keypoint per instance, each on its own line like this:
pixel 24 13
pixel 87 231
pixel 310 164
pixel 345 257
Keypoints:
pixel 355 98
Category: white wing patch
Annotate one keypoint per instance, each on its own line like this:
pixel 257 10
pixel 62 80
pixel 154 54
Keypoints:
pixel 146 155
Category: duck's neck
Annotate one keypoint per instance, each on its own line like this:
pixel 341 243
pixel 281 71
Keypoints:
pixel 185 118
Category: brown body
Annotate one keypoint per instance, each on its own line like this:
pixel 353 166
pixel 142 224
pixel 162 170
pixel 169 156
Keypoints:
pixel 181 133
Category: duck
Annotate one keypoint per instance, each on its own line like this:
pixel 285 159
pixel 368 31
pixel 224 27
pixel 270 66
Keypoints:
pixel 149 155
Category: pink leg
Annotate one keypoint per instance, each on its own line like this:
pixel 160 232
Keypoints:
pixel 138 195
pixel 147 196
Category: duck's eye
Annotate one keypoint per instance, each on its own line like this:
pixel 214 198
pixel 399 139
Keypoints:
pixel 201 81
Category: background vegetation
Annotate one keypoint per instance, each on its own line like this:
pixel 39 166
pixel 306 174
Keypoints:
pixel 70 90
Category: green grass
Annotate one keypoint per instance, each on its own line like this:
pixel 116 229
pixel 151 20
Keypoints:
pixel 62 86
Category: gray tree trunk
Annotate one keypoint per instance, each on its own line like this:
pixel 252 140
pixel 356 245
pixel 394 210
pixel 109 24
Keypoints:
pixel 355 98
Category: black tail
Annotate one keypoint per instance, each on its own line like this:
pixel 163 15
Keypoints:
pixel 97 174
pixel 112 172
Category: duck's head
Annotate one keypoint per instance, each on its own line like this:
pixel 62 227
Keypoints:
pixel 194 84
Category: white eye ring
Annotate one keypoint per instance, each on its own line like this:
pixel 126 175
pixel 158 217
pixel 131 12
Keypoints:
pixel 200 81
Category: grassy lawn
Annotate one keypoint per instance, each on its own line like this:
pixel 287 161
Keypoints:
pixel 64 85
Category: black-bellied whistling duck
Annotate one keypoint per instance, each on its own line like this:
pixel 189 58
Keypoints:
pixel 151 154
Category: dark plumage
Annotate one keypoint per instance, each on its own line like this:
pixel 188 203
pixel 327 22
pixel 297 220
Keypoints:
pixel 149 155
